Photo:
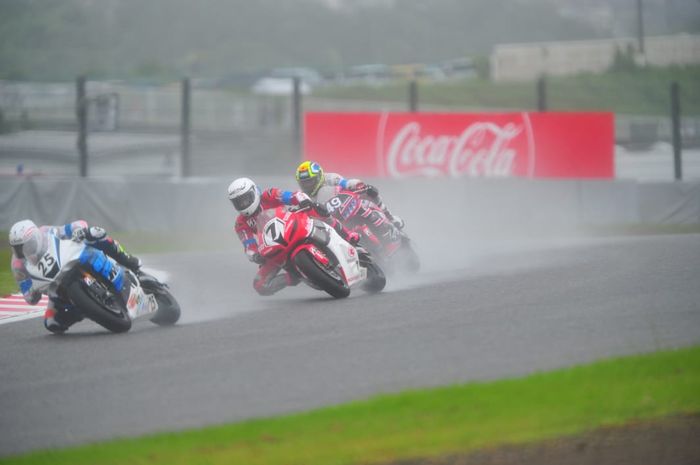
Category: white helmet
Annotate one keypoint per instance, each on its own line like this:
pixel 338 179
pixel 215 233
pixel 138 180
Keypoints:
pixel 244 195
pixel 26 240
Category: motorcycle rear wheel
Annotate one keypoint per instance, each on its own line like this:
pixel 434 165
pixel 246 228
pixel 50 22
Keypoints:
pixel 315 272
pixel 168 309
pixel 107 309
pixel 168 312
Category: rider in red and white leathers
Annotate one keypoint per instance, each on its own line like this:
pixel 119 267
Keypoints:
pixel 29 242
pixel 311 178
pixel 249 201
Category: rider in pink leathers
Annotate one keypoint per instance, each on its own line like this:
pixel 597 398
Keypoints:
pixel 311 178
pixel 249 201
pixel 29 242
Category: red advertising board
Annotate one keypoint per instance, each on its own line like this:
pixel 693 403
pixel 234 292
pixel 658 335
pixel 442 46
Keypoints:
pixel 531 145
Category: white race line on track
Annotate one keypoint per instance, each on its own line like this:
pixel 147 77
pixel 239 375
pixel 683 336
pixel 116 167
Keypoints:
pixel 15 308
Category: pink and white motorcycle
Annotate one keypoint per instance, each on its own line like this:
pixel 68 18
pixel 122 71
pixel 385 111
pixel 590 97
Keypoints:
pixel 390 246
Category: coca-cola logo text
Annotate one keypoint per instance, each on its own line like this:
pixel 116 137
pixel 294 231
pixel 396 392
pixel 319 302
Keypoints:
pixel 482 149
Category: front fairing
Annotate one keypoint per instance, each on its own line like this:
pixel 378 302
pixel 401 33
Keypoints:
pixel 345 205
pixel 279 230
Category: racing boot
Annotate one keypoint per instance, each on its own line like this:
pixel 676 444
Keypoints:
pixel 115 250
pixel 397 221
pixel 274 284
pixel 58 317
pixel 382 227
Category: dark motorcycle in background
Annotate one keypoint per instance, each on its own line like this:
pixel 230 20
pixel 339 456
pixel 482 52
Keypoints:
pixel 390 246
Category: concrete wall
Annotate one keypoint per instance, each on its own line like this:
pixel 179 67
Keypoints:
pixel 478 206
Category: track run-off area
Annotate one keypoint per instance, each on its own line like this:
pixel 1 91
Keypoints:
pixel 497 311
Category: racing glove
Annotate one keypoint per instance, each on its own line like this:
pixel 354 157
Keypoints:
pixel 255 257
pixel 368 189
pixel 33 297
pixel 306 204
pixel 91 234
pixel 322 210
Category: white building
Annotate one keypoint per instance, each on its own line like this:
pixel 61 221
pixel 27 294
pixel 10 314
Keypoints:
pixel 526 62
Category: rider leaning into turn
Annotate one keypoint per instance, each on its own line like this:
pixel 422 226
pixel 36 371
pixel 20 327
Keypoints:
pixel 311 177
pixel 29 242
pixel 249 202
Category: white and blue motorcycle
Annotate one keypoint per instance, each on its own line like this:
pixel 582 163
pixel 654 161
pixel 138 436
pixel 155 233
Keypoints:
pixel 99 288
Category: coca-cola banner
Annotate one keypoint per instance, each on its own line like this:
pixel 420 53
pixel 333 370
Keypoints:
pixel 532 145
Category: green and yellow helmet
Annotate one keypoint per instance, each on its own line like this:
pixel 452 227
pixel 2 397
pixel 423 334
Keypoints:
pixel 310 177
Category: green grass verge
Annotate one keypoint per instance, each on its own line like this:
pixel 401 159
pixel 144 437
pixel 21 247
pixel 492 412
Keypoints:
pixel 643 92
pixel 426 423
pixel 7 282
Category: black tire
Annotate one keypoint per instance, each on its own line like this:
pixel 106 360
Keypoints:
pixel 168 309
pixel 315 272
pixel 168 312
pixel 93 307
pixel 375 279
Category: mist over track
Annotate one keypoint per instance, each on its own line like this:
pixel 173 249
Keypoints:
pixel 475 313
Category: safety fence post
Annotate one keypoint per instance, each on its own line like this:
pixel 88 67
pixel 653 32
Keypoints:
pixel 81 108
pixel 676 130
pixel 185 129
pixel 296 115
pixel 542 93
pixel 413 96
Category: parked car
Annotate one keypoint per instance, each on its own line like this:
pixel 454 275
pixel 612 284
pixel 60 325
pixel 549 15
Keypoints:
pixel 280 81
pixel 459 68
pixel 309 76
pixel 370 74
pixel 278 86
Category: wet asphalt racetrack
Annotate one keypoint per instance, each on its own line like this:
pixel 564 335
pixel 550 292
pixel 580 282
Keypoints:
pixel 504 312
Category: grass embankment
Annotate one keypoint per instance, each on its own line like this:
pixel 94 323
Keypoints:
pixel 7 282
pixel 642 92
pixel 427 423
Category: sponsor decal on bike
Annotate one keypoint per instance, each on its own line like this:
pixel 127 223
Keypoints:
pixel 274 232
pixel 152 303
pixel 318 255
pixel 135 298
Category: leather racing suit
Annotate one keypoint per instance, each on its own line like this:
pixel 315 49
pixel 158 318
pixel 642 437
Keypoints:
pixel 59 314
pixel 335 179
pixel 268 279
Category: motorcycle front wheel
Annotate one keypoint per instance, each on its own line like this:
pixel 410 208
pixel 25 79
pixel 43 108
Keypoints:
pixel 320 276
pixel 100 304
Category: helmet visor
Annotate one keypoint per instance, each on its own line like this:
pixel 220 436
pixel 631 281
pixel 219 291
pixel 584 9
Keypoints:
pixel 308 185
pixel 33 247
pixel 19 253
pixel 243 201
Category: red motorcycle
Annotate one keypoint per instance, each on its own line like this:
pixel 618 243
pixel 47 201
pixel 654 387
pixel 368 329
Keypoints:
pixel 390 246
pixel 314 251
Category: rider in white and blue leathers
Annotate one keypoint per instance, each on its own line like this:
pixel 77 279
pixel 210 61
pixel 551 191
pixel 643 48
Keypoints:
pixel 29 242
